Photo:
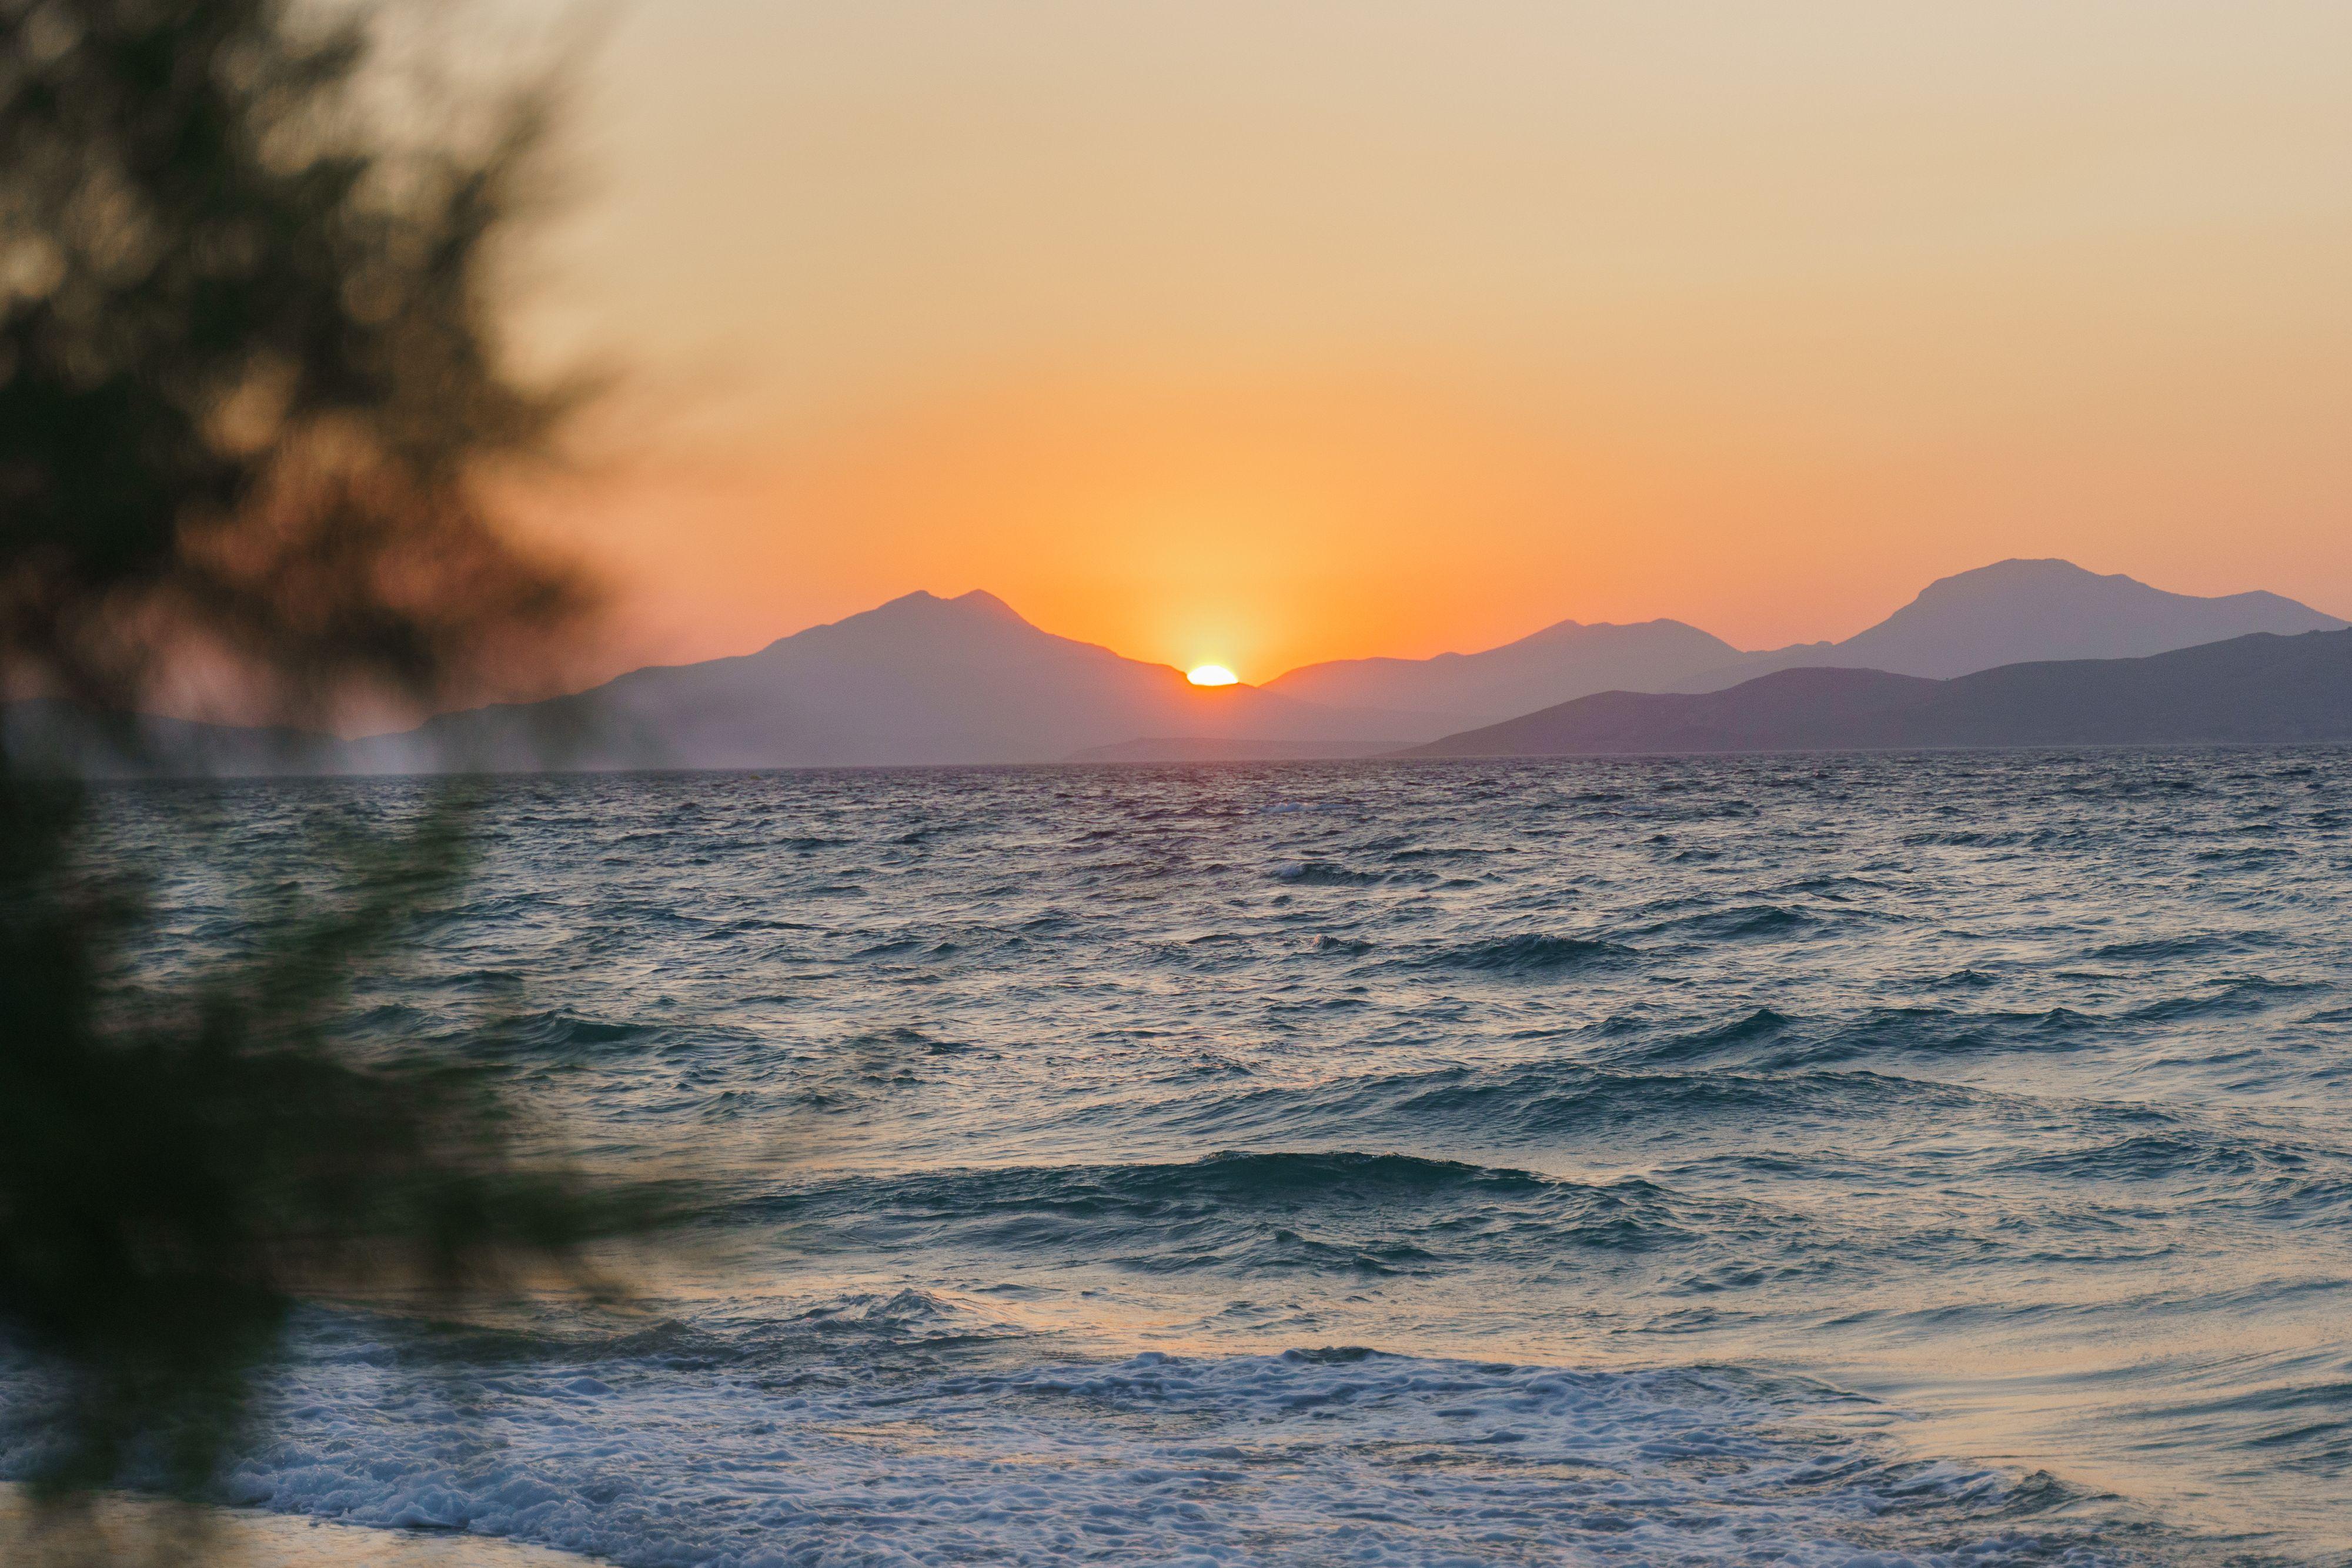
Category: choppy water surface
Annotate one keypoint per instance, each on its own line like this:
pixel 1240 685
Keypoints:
pixel 1809 1160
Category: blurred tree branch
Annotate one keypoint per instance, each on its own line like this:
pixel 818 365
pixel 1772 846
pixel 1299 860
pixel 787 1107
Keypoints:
pixel 250 373
pixel 253 394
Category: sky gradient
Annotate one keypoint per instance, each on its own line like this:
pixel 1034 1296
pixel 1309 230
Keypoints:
pixel 1263 333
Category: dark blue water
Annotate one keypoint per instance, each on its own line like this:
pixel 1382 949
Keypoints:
pixel 1809 1160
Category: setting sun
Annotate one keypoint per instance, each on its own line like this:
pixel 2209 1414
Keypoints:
pixel 1212 675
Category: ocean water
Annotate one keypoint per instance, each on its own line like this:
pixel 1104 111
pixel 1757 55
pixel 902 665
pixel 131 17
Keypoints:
pixel 1870 1160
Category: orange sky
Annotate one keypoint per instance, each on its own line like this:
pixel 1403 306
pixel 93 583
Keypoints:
pixel 1262 332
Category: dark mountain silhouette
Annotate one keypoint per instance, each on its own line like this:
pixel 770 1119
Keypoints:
pixel 2016 610
pixel 2011 611
pixel 919 680
pixel 1560 662
pixel 926 680
pixel 2255 690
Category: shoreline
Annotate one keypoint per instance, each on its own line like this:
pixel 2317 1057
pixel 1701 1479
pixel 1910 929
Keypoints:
pixel 126 1528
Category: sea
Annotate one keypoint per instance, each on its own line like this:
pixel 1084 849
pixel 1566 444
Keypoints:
pixel 1862 1160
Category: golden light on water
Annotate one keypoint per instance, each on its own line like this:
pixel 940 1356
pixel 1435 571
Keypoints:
pixel 1211 675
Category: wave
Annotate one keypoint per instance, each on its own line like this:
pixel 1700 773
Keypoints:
pixel 1317 1454
pixel 2236 997
pixel 1349 946
pixel 1746 923
pixel 1257 1213
pixel 904 1316
pixel 560 1030
pixel 1530 952
pixel 1324 873
pixel 1545 1102
pixel 2229 1168
pixel 2172 949
pixel 1765 1040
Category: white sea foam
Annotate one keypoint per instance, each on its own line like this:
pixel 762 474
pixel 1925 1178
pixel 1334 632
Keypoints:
pixel 1306 1457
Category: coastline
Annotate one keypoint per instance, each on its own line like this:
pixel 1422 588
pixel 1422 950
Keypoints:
pixel 127 1529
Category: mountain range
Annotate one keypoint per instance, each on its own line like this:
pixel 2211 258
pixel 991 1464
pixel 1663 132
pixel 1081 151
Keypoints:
pixel 1998 614
pixel 2261 689
pixel 930 680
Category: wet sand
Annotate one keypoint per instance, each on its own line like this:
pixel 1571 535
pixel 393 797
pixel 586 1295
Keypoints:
pixel 128 1531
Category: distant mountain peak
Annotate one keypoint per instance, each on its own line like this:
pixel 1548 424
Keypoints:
pixel 921 614
pixel 2024 609
pixel 1557 629
pixel 2050 574
pixel 2022 572
pixel 981 598
pixel 923 600
pixel 925 608
pixel 2030 564
pixel 2060 599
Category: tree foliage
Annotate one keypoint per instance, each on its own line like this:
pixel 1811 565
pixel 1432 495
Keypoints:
pixel 254 400
pixel 250 371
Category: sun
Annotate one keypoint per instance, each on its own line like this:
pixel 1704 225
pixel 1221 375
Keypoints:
pixel 1211 675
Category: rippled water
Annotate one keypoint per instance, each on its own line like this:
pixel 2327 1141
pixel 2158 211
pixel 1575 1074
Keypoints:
pixel 1944 1158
